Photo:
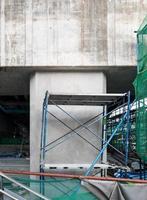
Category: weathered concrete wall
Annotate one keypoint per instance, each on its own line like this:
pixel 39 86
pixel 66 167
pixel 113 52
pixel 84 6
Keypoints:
pixel 53 32
pixel 69 32
pixel 124 17
pixel 74 150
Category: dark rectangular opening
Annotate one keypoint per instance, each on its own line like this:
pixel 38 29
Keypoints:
pixel 14 126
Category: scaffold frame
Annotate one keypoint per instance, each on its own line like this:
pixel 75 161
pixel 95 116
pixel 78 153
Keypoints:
pixel 93 100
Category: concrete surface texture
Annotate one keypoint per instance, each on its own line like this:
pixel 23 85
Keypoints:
pixel 74 150
pixel 69 32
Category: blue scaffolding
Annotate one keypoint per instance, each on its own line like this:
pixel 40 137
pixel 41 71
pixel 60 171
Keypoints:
pixel 115 100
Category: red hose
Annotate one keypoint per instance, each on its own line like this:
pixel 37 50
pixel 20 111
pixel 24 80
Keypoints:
pixel 73 176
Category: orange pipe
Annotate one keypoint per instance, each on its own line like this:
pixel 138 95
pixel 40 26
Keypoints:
pixel 73 176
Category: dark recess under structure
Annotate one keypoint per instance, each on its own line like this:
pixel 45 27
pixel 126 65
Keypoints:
pixel 14 126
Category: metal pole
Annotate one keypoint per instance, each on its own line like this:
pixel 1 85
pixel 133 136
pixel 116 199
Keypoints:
pixel 105 146
pixel 23 186
pixel 4 193
pixel 128 130
pixel 45 126
pixel 43 130
pixel 41 149
pixel 104 155
pixel 43 140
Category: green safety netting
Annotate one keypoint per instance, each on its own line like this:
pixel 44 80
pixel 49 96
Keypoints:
pixel 52 188
pixel 74 189
pixel 142 46
pixel 140 85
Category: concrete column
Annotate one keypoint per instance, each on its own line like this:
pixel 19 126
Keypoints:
pixel 74 150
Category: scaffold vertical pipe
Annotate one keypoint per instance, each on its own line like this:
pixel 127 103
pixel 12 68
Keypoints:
pixel 106 144
pixel 43 140
pixel 43 130
pixel 45 122
pixel 42 136
pixel 104 155
pixel 127 130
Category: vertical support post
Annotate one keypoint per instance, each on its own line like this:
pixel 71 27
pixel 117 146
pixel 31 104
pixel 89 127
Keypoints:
pixel 128 130
pixel 43 141
pixel 104 155
pixel 43 130
pixel 45 123
pixel 123 129
pixel 42 149
pixel 41 138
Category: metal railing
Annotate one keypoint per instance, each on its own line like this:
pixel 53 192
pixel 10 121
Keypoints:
pixel 4 193
pixel 23 187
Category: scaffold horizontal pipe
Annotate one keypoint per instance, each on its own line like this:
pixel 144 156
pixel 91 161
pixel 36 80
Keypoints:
pixel 55 175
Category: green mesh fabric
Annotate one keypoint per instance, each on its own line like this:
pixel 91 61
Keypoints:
pixel 142 46
pixel 140 85
pixel 52 188
pixel 141 129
